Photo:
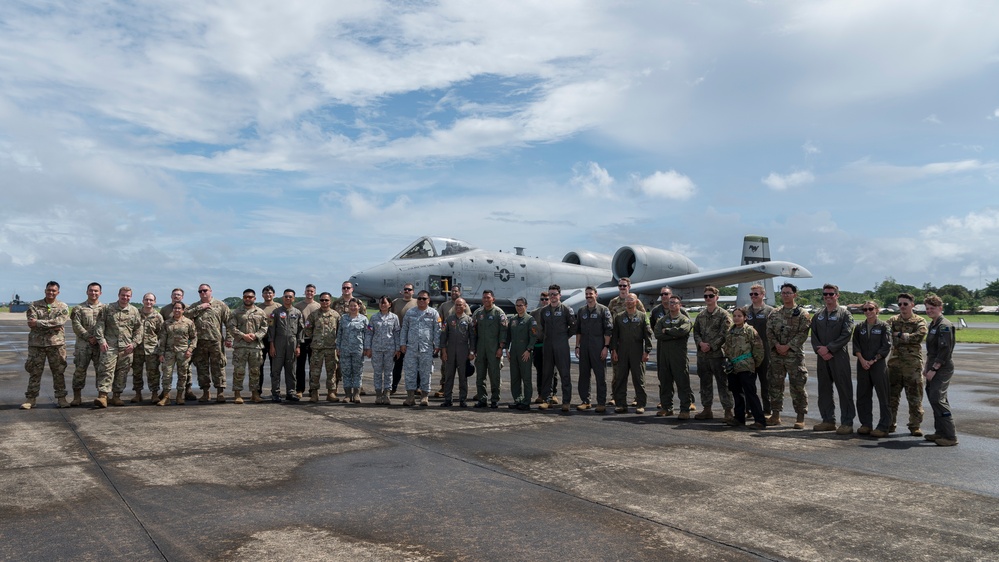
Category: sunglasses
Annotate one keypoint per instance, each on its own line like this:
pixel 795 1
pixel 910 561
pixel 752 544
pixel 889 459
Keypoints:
pixel 324 300
pixel 869 308
pixel 408 289
pixel 828 294
pixel 709 296
pixel 203 290
pixel 754 294
pixel 422 298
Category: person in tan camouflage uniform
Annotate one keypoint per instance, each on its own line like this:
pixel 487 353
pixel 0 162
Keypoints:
pixel 46 341
pixel 321 327
pixel 178 339
pixel 710 328
pixel 210 317
pixel 905 365
pixel 787 330
pixel 119 333
pixel 84 317
pixel 247 328
pixel 145 356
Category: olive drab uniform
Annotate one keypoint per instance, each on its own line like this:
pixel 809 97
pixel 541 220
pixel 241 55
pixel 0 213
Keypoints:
pixel 672 363
pixel 593 330
pixel 209 355
pixel 711 327
pixel 939 357
pixel 84 317
pixel 788 326
pixel 833 329
pixel 286 332
pixel 758 319
pixel 144 356
pixel 47 342
pixel 872 342
pixel 458 339
pixel 905 366
pixel 176 338
pixel 631 338
pixel 558 324
pixel 321 327
pixel 246 355
pixel 490 337
pixel 118 327
pixel 523 334
pixel 616 307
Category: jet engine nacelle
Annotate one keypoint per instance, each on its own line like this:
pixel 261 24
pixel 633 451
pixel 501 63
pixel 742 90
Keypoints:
pixel 587 258
pixel 645 263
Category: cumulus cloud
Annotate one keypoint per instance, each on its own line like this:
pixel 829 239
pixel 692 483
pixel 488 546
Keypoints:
pixel 779 182
pixel 592 179
pixel 810 148
pixel 667 185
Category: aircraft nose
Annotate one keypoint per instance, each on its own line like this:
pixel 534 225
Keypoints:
pixel 372 282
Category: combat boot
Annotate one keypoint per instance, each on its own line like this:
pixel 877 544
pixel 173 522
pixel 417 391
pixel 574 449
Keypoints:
pixel 206 396
pixel 102 400
pixel 331 396
pixel 425 401
pixel 116 399
pixel 189 394
pixel 683 415
pixel 220 396
pixel 774 418
pixel 915 431
pixel 77 397
pixel 181 396
pixel 729 416
pixel 946 442
pixel 826 426
pixel 410 398
pixel 799 422
pixel 236 398
pixel 357 396
pixel 164 399
pixel 62 402
pixel 255 397
pixel 314 395
pixel 704 414
pixel 386 400
pixel 28 404
pixel 137 399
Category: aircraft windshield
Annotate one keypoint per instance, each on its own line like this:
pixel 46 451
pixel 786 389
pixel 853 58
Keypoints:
pixel 433 247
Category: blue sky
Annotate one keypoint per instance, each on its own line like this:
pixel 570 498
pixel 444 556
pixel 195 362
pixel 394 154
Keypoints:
pixel 243 143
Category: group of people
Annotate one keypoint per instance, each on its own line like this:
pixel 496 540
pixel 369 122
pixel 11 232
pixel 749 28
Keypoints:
pixel 749 353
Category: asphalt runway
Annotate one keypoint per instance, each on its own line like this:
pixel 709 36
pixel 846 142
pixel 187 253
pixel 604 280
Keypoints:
pixel 364 482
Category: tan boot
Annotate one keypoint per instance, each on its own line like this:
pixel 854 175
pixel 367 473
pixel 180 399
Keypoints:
pixel 28 404
pixel 774 418
pixel 331 396
pixel 206 396
pixel 425 401
pixel 220 395
pixel 102 400
pixel 164 398
pixel 357 396
pixel 62 402
pixel 799 422
pixel 386 400
pixel 236 398
pixel 314 395
pixel 255 397
pixel 704 414
pixel 77 397
pixel 410 398
pixel 181 396
pixel 137 399
pixel 116 399
pixel 189 394
pixel 729 415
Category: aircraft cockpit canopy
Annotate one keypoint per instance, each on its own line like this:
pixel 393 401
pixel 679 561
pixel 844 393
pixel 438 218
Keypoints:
pixel 434 247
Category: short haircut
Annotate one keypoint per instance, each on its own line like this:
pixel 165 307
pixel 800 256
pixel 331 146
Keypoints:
pixel 325 294
pixel 932 300
pixel 876 307
pixel 757 286
pixel 522 300
pixel 175 289
pixel 484 292
pixel 52 284
pixel 792 286
pixel 425 292
pixel 711 289
pixel 666 288
pixel 625 279
pixel 251 291
pixel 205 285
pixel 590 288
pixel 831 286
pixel 95 284
pixel 675 296
pixel 268 288
pixel 906 296
pixel 555 287
pixel 310 286
pixel 124 288
pixel 148 295
pixel 286 291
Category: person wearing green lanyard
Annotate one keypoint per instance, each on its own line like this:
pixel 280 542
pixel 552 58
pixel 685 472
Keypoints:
pixel 744 350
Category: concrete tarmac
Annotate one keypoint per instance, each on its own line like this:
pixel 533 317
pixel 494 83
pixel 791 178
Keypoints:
pixel 364 482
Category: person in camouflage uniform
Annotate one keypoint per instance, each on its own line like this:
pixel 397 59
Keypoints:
pixel 46 342
pixel 743 347
pixel 418 341
pixel 177 296
pixel 350 341
pixel 673 367
pixel 905 365
pixel 84 317
pixel 523 333
pixel 787 330
pixel 247 328
pixel 630 343
pixel 710 328
pixel 119 333
pixel 321 327
pixel 381 345
pixel 341 308
pixel 210 317
pixel 178 338
pixel 144 356
pixel 490 326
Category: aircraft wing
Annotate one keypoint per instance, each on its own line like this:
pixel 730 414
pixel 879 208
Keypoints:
pixel 716 277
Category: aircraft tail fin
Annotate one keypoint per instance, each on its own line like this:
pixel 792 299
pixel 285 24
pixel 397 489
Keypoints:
pixel 755 249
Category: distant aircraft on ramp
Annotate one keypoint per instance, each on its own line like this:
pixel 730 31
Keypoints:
pixel 436 264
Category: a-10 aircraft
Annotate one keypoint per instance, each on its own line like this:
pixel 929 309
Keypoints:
pixel 436 264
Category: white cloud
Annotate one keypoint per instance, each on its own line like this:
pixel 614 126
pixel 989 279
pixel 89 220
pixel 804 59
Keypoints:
pixel 932 118
pixel 779 182
pixel 593 180
pixel 667 185
pixel 810 148
pixel 891 173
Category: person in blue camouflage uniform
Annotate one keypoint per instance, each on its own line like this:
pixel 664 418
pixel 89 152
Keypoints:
pixel 84 317
pixel 381 345
pixel 350 341
pixel 419 338
pixel 523 333
pixel 46 342
pixel 490 327
pixel 938 371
